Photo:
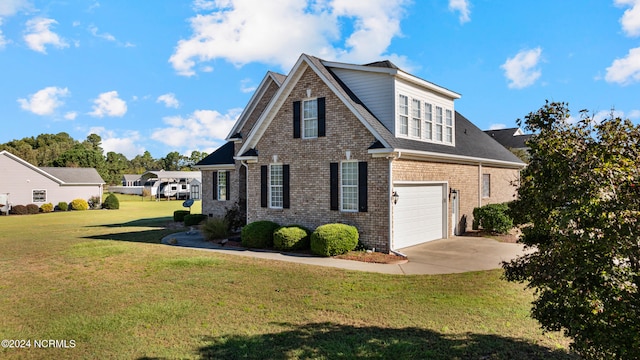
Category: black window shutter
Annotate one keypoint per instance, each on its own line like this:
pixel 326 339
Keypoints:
pixel 215 185
pixel 362 186
pixel 322 124
pixel 333 175
pixel 263 185
pixel 285 187
pixel 228 185
pixel 296 119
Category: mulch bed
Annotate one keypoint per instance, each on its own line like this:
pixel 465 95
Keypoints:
pixel 511 237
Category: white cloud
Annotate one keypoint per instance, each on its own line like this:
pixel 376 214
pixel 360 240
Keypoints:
pixel 245 86
pixel 203 5
pixel 45 101
pixel 463 7
pixel 201 129
pixel 631 18
pixel 521 70
pixel 3 42
pixel 71 115
pixel 625 70
pixel 109 104
pixel 169 100
pixel 634 114
pixel 39 35
pixel 11 7
pixel 497 126
pixel 125 144
pixel 243 31
pixel 106 36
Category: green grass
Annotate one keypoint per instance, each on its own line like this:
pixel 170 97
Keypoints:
pixel 100 278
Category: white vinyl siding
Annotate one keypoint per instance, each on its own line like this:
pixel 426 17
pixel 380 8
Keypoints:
pixel 310 119
pixel 403 114
pixel 276 186
pixel 222 186
pixel 416 118
pixel 428 121
pixel 349 186
pixel 39 196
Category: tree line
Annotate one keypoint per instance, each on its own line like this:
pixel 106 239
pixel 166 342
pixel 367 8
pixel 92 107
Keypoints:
pixel 61 150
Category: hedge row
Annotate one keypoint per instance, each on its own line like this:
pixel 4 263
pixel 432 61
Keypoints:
pixel 76 204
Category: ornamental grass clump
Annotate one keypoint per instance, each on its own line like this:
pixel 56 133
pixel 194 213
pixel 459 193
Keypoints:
pixel 334 239
pixel 215 229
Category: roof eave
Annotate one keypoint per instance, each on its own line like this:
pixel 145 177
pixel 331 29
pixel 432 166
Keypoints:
pixel 428 155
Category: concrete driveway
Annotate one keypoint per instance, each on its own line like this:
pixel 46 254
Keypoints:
pixel 446 256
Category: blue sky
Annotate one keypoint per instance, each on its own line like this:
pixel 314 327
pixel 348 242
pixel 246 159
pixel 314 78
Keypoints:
pixel 168 75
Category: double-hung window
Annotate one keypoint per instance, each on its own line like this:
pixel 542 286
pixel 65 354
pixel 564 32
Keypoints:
pixel 403 114
pixel 438 123
pixel 428 121
pixel 448 126
pixel 349 186
pixel 276 186
pixel 416 118
pixel 39 196
pixel 222 186
pixel 310 119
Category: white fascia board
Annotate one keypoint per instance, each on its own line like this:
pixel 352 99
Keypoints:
pixel 248 159
pixel 374 69
pixel 427 155
pixel 251 105
pixel 216 167
pixel 429 85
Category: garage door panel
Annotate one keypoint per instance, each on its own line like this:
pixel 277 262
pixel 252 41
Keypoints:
pixel 418 215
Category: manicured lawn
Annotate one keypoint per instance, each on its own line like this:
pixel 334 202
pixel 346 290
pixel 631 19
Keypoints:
pixel 100 278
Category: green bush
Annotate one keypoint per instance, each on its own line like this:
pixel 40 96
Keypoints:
pixel 33 209
pixel 235 218
pixel 179 215
pixel 215 228
pixel 111 202
pixel 493 217
pixel 194 219
pixel 79 204
pixel 94 202
pixel 63 206
pixel 258 234
pixel 293 237
pixel 334 239
pixel 18 210
pixel 45 208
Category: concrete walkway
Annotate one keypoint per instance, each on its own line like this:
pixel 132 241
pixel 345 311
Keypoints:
pixel 446 256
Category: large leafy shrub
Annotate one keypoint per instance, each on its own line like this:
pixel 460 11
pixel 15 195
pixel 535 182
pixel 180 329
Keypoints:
pixel 235 218
pixel 18 210
pixel 493 217
pixel 194 219
pixel 581 191
pixel 179 215
pixel 111 202
pixel 45 208
pixel 258 234
pixel 291 237
pixel 215 228
pixel 79 204
pixel 334 239
pixel 33 209
pixel 63 206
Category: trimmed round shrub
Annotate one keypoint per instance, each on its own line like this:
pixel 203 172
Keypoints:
pixel 179 215
pixel 111 202
pixel 45 208
pixel 194 219
pixel 63 206
pixel 18 210
pixel 293 237
pixel 79 204
pixel 215 228
pixel 334 239
pixel 258 234
pixel 33 209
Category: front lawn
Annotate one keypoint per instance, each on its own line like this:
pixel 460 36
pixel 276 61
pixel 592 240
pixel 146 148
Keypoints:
pixel 100 278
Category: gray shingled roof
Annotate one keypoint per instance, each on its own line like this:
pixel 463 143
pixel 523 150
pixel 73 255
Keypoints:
pixel 469 139
pixel 75 175
pixel 507 138
pixel 222 156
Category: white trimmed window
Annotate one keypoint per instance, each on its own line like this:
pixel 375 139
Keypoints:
pixel 39 196
pixel 403 114
pixel 428 121
pixel 349 186
pixel 486 185
pixel 416 118
pixel 310 119
pixel 222 186
pixel 438 123
pixel 276 186
pixel 195 192
pixel 448 126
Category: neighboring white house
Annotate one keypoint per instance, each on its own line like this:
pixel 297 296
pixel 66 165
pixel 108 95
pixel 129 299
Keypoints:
pixel 22 183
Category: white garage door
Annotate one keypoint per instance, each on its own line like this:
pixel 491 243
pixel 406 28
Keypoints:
pixel 418 216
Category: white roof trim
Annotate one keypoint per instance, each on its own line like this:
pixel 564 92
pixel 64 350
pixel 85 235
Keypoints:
pixel 215 167
pixel 422 155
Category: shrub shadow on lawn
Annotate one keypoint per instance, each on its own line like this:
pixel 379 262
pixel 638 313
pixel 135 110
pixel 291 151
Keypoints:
pixel 148 222
pixel 145 236
pixel 333 341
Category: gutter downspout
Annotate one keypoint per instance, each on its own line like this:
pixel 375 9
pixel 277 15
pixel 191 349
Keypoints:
pixel 480 184
pixel 391 158
pixel 246 190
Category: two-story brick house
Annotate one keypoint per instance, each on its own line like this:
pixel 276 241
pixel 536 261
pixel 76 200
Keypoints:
pixel 367 145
